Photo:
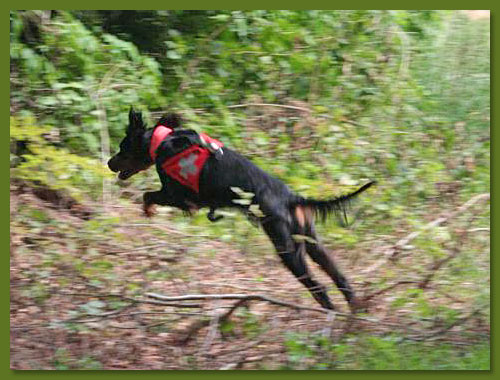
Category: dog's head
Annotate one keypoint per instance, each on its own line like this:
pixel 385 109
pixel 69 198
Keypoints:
pixel 133 155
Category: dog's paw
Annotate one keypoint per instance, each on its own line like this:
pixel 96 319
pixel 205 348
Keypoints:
pixel 190 208
pixel 214 218
pixel 149 210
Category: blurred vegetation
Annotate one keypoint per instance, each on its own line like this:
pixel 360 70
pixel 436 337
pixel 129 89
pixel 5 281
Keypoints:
pixel 324 100
pixel 381 353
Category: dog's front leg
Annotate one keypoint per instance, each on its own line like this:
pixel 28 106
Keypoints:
pixel 149 200
pixel 162 198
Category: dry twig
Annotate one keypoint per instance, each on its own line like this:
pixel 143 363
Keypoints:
pixel 302 109
pixel 243 297
pixel 445 329
pixel 391 252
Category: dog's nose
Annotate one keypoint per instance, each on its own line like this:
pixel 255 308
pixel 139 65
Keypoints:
pixel 112 165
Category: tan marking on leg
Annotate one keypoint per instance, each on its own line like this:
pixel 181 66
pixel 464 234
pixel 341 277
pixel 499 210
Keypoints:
pixel 300 216
pixel 308 215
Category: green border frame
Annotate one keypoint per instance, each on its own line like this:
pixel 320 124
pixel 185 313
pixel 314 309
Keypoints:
pixel 254 4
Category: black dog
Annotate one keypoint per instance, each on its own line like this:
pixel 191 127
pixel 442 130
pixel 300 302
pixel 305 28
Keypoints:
pixel 231 180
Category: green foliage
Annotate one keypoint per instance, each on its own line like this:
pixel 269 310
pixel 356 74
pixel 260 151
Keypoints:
pixel 397 96
pixel 414 83
pixel 365 352
pixel 55 167
pixel 77 81
pixel 389 71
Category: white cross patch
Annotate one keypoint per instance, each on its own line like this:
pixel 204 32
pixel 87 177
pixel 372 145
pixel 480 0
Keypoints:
pixel 187 165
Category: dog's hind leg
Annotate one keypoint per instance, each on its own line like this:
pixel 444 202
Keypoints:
pixel 320 256
pixel 292 255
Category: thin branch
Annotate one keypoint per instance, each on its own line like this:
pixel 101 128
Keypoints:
pixel 454 299
pixel 238 349
pixel 457 247
pixel 132 299
pixel 229 285
pixel 194 62
pixel 146 247
pixel 243 359
pixel 95 95
pixel 213 330
pixel 395 249
pixel 479 229
pixel 133 314
pixel 257 297
pixel 387 288
pixel 302 109
pixel 245 297
pixel 431 271
pixel 352 122
pixel 444 330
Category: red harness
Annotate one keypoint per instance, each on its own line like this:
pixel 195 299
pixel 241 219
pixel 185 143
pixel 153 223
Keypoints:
pixel 185 167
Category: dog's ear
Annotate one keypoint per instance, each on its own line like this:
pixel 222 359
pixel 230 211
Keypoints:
pixel 131 116
pixel 135 122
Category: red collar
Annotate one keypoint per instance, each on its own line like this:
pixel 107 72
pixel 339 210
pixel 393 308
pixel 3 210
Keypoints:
pixel 159 134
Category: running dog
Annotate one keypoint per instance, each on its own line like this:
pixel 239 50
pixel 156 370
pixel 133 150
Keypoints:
pixel 197 171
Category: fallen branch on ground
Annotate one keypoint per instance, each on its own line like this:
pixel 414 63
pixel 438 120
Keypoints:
pixel 131 299
pixel 243 297
pixel 243 360
pixel 386 289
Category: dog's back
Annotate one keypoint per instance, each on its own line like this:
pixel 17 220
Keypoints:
pixel 236 171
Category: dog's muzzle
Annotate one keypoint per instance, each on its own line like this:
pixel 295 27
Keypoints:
pixel 112 165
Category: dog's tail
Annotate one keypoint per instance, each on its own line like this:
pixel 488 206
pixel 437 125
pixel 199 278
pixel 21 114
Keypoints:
pixel 305 208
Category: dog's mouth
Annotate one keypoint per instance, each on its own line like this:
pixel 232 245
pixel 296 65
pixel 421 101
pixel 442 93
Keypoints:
pixel 127 173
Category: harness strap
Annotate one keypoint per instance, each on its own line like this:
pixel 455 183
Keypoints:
pixel 159 134
pixel 185 166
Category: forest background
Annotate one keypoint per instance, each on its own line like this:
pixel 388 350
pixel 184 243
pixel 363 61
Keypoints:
pixel 324 100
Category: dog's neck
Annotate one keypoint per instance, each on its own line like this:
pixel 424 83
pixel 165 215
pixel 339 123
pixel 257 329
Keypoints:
pixel 160 132
pixel 146 143
pixel 152 138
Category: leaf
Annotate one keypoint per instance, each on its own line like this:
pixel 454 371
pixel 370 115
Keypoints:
pixel 267 60
pixel 244 202
pixel 241 193
pixel 172 54
pixel 255 209
pixel 303 238
pixel 220 17
pixel 346 180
